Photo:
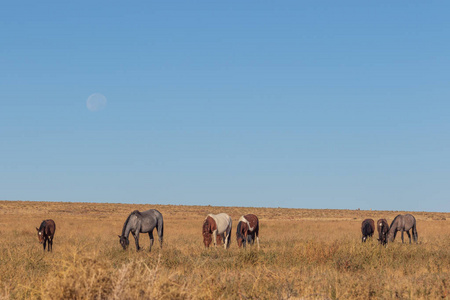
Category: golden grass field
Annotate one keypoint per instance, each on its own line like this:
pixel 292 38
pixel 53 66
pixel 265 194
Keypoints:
pixel 305 254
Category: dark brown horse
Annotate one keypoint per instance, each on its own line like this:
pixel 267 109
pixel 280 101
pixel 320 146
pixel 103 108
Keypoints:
pixel 247 230
pixel 46 232
pixel 367 229
pixel 383 229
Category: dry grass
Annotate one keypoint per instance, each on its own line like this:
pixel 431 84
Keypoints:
pixel 305 254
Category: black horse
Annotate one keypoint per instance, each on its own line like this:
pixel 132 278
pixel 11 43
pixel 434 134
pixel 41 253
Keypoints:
pixel 403 223
pixel 367 229
pixel 46 232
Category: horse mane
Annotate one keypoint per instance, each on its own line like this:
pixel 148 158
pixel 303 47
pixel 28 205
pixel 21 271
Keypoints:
pixel 238 231
pixel 393 221
pixel 43 224
pixel 136 213
pixel 206 226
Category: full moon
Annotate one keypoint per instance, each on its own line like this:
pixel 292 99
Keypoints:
pixel 96 102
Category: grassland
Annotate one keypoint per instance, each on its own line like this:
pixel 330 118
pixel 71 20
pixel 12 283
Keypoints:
pixel 305 254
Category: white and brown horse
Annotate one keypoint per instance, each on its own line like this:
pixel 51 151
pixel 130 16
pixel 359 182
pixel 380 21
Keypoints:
pixel 247 230
pixel 215 225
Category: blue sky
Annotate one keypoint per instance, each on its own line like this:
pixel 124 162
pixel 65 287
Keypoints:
pixel 302 104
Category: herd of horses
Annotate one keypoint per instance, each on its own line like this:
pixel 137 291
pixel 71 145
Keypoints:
pixel 217 228
pixel 386 233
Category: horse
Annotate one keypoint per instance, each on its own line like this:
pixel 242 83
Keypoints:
pixel 46 232
pixel 367 229
pixel 247 230
pixel 403 223
pixel 383 228
pixel 219 224
pixel 142 222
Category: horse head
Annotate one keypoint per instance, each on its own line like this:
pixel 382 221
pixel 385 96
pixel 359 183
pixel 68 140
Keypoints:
pixel 124 242
pixel 240 240
pixel 40 234
pixel 240 234
pixel 390 235
pixel 206 231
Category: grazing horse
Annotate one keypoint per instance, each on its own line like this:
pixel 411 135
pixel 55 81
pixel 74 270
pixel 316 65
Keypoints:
pixel 383 229
pixel 142 222
pixel 367 229
pixel 403 223
pixel 219 224
pixel 247 230
pixel 46 232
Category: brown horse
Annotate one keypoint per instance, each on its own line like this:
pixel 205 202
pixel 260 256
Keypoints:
pixel 46 232
pixel 367 229
pixel 383 229
pixel 247 230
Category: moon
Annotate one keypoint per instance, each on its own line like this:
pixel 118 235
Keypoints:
pixel 96 102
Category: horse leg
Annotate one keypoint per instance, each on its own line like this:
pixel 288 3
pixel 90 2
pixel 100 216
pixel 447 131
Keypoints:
pixel 402 236
pixel 50 244
pixel 136 239
pixel 215 238
pixel 257 236
pixel 244 241
pixel 228 237
pixel 45 241
pixel 407 232
pixel 150 234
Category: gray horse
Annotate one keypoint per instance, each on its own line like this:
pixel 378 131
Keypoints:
pixel 142 222
pixel 403 223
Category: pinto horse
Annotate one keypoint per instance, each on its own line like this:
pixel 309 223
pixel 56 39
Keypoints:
pixel 46 232
pixel 383 229
pixel 367 229
pixel 142 222
pixel 403 223
pixel 247 230
pixel 215 225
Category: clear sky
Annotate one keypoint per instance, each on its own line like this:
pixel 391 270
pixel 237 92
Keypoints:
pixel 301 104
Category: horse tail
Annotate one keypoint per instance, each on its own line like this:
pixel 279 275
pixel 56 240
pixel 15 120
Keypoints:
pixel 229 234
pixel 414 232
pixel 160 227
